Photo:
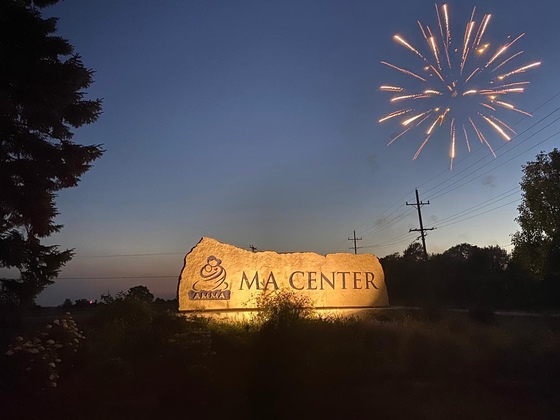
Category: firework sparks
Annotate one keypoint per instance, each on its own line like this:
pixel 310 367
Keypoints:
pixel 468 89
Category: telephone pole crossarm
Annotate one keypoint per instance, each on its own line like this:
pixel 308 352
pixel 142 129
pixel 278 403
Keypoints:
pixel 354 239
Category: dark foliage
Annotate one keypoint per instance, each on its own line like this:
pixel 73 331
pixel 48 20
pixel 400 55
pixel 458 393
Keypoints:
pixel 537 243
pixel 140 362
pixel 465 276
pixel 42 98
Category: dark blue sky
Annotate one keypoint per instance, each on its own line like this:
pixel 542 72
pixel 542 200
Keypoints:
pixel 255 123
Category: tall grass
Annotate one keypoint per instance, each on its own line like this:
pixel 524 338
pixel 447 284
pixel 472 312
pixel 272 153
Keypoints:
pixel 146 363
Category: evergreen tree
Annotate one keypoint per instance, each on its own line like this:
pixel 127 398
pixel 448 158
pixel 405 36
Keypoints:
pixel 42 98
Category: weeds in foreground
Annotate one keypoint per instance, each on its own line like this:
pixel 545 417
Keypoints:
pixel 137 360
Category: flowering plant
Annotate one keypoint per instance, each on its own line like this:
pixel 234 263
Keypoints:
pixel 35 361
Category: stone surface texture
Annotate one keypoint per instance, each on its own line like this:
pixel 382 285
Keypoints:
pixel 218 276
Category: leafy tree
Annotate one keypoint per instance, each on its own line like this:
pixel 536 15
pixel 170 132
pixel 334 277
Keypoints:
pixel 140 293
pixel 537 244
pixel 490 260
pixel 414 252
pixel 476 260
pixel 462 252
pixel 42 98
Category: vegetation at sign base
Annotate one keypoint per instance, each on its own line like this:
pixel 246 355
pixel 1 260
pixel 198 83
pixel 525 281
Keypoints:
pixel 140 361
pixel 282 308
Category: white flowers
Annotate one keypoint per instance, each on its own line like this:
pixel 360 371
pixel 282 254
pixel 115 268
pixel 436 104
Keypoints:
pixel 45 350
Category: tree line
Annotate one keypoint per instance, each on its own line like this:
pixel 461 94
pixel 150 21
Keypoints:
pixel 466 275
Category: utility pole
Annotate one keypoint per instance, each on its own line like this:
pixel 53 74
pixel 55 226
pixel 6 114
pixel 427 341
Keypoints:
pixel 253 248
pixel 355 240
pixel 418 205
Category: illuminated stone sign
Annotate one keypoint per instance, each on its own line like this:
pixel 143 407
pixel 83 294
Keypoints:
pixel 221 277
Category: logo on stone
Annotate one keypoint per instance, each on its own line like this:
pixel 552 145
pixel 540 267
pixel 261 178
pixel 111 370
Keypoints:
pixel 212 284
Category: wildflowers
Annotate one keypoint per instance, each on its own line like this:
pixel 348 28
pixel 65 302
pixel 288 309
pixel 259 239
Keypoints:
pixel 36 360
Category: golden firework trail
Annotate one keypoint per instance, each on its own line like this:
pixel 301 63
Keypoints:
pixel 482 29
pixel 506 60
pixel 520 70
pixel 503 123
pixel 391 88
pixel 488 106
pixel 407 129
pixel 466 138
pixel 404 71
pixel 395 114
pixel 412 119
pixel 496 127
pixel 421 147
pixel 452 153
pixel 481 137
pixel 468 90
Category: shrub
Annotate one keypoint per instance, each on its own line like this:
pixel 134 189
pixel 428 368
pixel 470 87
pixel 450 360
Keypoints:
pixel 283 308
pixel 36 361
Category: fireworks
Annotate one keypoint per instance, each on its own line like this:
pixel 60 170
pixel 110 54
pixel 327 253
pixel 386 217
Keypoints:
pixel 461 85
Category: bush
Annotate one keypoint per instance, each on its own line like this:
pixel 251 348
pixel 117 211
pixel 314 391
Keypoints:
pixel 283 308
pixel 34 363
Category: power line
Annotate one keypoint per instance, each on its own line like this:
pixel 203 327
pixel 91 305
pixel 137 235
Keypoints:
pixel 501 146
pixel 400 200
pixel 390 242
pixel 492 161
pixel 129 255
pixel 391 223
pixel 372 226
pixel 501 164
pixel 479 214
pixel 483 204
pixel 112 277
pixel 398 239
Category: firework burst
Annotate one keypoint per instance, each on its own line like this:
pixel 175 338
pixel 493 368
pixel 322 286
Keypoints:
pixel 463 85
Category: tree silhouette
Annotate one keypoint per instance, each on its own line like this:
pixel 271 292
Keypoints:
pixel 42 98
pixel 537 244
pixel 140 293
pixel 414 252
pixel 462 276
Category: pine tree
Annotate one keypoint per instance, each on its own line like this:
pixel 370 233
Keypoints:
pixel 42 98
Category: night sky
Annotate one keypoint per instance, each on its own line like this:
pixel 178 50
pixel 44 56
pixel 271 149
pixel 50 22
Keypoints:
pixel 256 123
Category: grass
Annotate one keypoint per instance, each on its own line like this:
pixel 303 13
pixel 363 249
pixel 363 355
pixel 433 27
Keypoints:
pixel 139 362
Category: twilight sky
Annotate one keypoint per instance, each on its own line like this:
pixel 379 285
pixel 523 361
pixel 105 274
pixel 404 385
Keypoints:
pixel 256 123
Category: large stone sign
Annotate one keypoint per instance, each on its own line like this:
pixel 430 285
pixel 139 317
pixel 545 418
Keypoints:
pixel 222 277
